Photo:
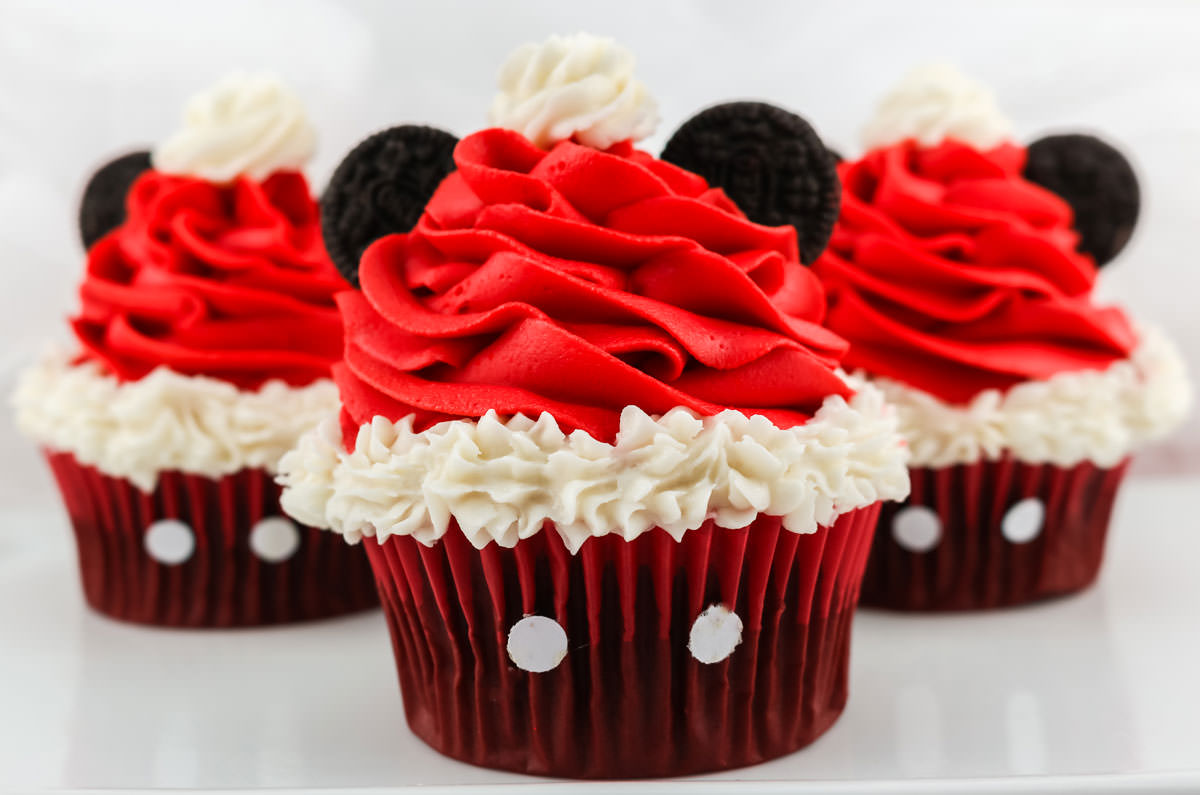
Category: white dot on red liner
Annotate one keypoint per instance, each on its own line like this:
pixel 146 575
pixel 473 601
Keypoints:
pixel 169 541
pixel 917 528
pixel 274 539
pixel 537 644
pixel 715 634
pixel 1024 520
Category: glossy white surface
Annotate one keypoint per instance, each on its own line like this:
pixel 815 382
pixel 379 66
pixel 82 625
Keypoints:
pixel 1095 693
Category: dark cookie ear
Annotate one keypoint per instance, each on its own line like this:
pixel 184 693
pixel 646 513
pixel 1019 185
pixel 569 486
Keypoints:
pixel 103 206
pixel 381 188
pixel 835 154
pixel 770 162
pixel 1099 184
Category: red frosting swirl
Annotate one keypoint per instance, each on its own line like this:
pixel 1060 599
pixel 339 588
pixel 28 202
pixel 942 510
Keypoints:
pixel 577 282
pixel 229 281
pixel 950 272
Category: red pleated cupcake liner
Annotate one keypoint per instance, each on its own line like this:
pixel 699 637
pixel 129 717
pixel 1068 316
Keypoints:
pixel 973 565
pixel 223 583
pixel 628 699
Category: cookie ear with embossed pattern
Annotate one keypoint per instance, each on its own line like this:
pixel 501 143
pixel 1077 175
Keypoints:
pixel 1099 184
pixel 380 188
pixel 102 208
pixel 770 162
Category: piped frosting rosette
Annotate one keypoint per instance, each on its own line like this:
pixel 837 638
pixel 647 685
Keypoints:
pixel 593 431
pixel 207 325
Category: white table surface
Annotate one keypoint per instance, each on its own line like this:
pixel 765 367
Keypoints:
pixel 1094 693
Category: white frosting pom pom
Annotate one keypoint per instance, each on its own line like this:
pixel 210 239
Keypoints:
pixel 245 125
pixel 579 86
pixel 935 102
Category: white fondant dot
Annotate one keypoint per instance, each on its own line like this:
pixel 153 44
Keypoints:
pixel 917 528
pixel 274 539
pixel 169 541
pixel 1023 522
pixel 537 644
pixel 715 634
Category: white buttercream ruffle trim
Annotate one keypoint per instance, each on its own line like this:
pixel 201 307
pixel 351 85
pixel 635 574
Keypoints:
pixel 1099 415
pixel 165 421
pixel 503 480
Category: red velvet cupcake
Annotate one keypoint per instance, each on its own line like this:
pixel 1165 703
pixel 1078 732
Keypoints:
pixel 617 497
pixel 204 344
pixel 961 272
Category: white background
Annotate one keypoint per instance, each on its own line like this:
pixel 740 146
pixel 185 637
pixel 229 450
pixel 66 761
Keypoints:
pixel 81 81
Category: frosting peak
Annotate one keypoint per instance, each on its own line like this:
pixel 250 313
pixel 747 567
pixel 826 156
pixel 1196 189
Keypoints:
pixel 578 282
pixel 245 125
pixel 935 102
pixel 579 86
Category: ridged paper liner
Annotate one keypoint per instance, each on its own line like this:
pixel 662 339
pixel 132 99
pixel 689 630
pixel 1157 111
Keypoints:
pixel 628 699
pixel 974 566
pixel 223 583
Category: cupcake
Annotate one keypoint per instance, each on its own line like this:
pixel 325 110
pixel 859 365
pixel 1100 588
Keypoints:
pixel 616 496
pixel 203 348
pixel 961 272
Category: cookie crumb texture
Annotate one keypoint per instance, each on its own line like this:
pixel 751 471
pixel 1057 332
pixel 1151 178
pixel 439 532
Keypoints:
pixel 770 162
pixel 1099 184
pixel 103 206
pixel 381 188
